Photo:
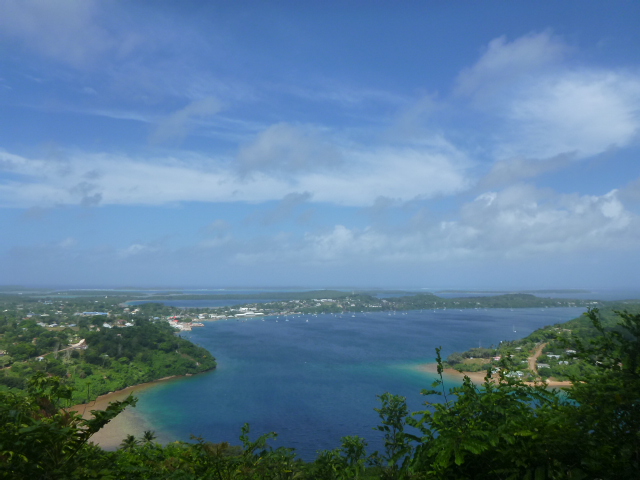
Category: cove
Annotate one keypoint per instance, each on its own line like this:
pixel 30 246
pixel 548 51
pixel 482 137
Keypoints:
pixel 314 378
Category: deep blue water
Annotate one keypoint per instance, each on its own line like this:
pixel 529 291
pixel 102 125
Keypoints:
pixel 314 382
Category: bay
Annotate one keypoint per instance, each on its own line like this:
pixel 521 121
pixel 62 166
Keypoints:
pixel 314 378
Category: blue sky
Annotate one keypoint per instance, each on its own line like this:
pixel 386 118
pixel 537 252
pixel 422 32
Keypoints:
pixel 371 144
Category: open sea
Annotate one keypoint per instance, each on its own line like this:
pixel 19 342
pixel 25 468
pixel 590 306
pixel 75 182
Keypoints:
pixel 314 378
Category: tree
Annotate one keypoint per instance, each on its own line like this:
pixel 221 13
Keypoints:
pixel 148 437
pixel 507 429
pixel 393 413
pixel 39 439
pixel 606 408
pixel 129 443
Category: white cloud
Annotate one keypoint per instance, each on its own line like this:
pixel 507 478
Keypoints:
pixel 64 30
pixel 410 124
pixel 107 179
pixel 136 249
pixel 284 210
pixel 520 225
pixel 631 191
pixel 68 242
pixel 177 125
pixel 217 227
pixel 519 222
pixel 507 172
pixel 330 91
pixel 286 149
pixel 586 112
pixel 535 105
pixel 216 234
pixel 524 221
pixel 343 243
pixel 397 173
pixel 504 63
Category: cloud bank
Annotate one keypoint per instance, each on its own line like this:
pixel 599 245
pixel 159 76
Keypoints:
pixel 365 174
pixel 299 173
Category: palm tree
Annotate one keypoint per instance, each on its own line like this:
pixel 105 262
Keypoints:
pixel 148 437
pixel 129 443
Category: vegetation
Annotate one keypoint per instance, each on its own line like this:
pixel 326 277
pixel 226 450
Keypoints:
pixel 277 302
pixel 131 344
pixel 94 354
pixel 332 301
pixel 503 429
pixel 554 348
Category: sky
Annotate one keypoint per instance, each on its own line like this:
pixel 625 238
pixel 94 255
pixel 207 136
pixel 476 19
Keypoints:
pixel 474 145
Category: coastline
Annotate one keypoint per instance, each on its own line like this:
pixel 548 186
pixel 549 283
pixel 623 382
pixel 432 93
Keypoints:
pixel 478 377
pixel 129 422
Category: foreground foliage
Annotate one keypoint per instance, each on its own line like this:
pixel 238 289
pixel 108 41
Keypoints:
pixel 504 429
pixel 39 439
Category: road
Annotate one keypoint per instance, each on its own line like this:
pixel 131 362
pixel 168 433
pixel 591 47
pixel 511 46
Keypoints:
pixel 533 359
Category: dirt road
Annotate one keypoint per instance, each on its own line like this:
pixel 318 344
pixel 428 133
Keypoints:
pixel 533 359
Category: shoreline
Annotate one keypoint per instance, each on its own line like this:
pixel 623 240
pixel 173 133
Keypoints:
pixel 478 377
pixel 128 422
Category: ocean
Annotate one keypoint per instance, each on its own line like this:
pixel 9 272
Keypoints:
pixel 314 378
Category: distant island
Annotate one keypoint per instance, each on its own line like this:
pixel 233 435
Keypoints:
pixel 340 302
pixel 568 291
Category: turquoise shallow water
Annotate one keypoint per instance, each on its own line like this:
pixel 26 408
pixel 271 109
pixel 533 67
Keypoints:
pixel 314 379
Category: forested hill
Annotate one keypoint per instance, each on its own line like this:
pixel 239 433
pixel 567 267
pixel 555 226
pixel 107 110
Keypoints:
pixel 554 347
pixel 114 358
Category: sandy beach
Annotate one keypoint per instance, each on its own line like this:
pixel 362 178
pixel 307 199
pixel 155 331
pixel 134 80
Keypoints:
pixel 129 422
pixel 478 377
